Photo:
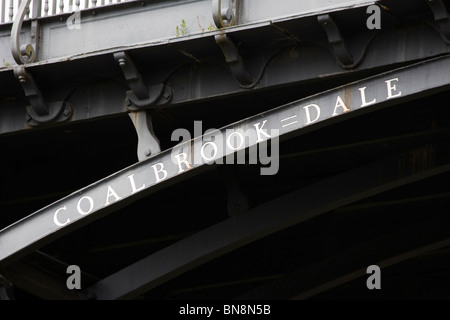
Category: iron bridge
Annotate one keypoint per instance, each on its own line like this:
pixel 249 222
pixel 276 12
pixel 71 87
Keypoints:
pixel 235 149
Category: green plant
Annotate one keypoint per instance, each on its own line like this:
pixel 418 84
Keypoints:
pixel 182 30
pixel 212 27
pixel 5 63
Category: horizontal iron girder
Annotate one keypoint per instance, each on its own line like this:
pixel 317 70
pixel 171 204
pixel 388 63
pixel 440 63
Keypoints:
pixel 291 53
pixel 151 22
pixel 171 166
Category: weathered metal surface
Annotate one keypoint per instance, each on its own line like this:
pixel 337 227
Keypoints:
pixel 234 60
pixel 39 111
pixel 24 53
pixel 101 28
pixel 132 75
pixel 10 9
pixel 141 94
pixel 191 157
pixel 336 40
pixel 148 143
pixel 224 16
pixel 190 81
pixel 280 52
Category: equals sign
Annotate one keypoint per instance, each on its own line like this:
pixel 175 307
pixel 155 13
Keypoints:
pixel 288 119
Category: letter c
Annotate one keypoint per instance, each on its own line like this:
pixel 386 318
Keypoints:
pixel 55 217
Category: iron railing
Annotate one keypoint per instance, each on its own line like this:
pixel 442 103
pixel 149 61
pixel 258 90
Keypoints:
pixel 44 8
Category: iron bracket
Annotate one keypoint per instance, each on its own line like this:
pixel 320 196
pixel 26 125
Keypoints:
pixel 335 39
pixel 140 96
pixel 441 16
pixel 234 60
pixel 148 143
pixel 40 112
pixel 224 17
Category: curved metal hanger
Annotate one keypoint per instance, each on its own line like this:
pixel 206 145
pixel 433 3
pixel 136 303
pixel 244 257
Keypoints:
pixel 22 53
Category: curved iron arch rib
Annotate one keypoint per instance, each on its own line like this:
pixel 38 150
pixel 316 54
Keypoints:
pixel 160 171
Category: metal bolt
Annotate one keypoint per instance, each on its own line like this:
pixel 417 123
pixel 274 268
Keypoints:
pixel 227 14
pixel 66 112
pixel 148 152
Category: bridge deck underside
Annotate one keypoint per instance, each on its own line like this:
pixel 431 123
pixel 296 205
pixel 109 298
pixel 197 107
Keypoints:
pixel 403 228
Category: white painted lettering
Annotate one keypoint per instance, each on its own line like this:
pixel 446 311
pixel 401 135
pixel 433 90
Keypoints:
pixel 91 205
pixel 110 193
pixel 160 170
pixel 391 88
pixel 308 114
pixel 230 145
pixel 181 158
pixel 55 217
pixel 202 151
pixel 133 185
pixel 340 104
pixel 364 102
pixel 260 131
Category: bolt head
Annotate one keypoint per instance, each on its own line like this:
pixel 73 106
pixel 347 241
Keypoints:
pixel 66 112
